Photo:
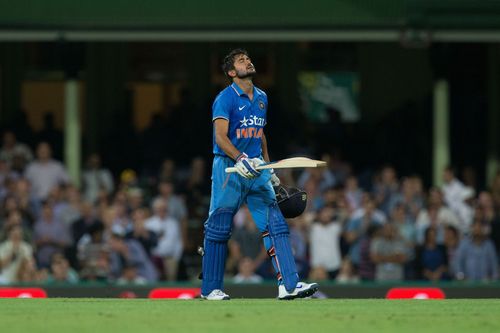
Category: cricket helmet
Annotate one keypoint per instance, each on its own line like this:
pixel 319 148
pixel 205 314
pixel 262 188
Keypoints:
pixel 291 201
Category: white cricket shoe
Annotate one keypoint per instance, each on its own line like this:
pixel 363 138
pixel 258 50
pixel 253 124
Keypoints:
pixel 216 295
pixel 302 290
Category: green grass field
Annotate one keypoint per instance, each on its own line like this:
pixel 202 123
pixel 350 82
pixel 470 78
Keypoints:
pixel 256 316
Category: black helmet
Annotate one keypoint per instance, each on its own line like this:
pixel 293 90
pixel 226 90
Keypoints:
pixel 291 200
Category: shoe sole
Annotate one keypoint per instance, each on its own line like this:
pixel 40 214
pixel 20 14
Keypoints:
pixel 301 294
pixel 227 298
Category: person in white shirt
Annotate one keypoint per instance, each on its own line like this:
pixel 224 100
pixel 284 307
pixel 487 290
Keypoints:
pixel 170 245
pixel 324 240
pixel 456 196
pixel 12 253
pixel 436 215
pixel 45 173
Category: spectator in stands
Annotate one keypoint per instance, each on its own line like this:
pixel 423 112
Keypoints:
pixel 170 245
pixel 11 149
pixel 87 219
pixel 96 180
pixel 60 271
pixel 324 242
pixel 129 252
pixel 14 219
pixel 347 273
pixel 299 228
pixel 140 233
pixel 389 254
pixel 410 196
pixel 359 223
pixel 488 216
pixel 69 210
pixel 135 198
pixel 451 242
pixel 246 272
pixel 456 195
pixel 323 177
pixel 93 254
pixel 436 215
pixel 366 266
pixel 51 236
pixel 28 272
pixel 246 242
pixel 176 206
pixel 131 276
pixel 432 258
pixel 476 258
pixel 122 218
pixel 28 205
pixel 45 173
pixel 9 205
pixel 353 194
pixel 386 189
pixel 13 252
pixel 405 228
pixel 314 196
pixel 404 225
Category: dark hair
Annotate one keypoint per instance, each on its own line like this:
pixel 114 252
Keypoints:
pixel 228 62
pixel 452 229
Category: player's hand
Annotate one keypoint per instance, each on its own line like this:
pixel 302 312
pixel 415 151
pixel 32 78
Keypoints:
pixel 275 181
pixel 246 167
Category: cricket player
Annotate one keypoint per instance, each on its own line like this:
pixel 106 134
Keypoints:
pixel 239 117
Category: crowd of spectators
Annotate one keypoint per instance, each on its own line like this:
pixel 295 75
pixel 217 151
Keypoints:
pixel 129 229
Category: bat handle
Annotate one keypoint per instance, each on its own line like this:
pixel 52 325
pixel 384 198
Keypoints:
pixel 230 170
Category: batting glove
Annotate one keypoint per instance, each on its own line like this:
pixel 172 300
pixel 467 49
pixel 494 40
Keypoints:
pixel 275 181
pixel 245 167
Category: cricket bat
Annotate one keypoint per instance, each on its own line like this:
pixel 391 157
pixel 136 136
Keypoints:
pixel 294 162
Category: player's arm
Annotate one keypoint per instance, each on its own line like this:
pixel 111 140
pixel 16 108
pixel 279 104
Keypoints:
pixel 221 126
pixel 244 165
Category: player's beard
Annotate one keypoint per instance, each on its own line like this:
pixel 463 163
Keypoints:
pixel 246 74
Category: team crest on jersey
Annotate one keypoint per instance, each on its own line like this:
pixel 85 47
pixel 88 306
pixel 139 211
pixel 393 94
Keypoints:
pixel 261 105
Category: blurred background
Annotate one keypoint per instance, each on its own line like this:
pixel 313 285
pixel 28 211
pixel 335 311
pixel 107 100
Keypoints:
pixel 105 117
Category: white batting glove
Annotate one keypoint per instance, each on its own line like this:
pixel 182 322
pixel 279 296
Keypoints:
pixel 245 167
pixel 275 181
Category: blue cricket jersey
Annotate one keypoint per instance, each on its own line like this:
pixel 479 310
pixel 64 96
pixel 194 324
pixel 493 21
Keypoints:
pixel 246 117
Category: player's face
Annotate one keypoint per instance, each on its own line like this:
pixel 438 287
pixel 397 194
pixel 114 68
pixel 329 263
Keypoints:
pixel 243 67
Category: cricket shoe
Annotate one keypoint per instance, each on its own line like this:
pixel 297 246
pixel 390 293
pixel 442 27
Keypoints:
pixel 302 290
pixel 216 295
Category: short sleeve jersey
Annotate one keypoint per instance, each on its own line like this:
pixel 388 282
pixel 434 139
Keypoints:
pixel 246 118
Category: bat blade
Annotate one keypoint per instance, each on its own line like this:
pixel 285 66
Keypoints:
pixel 294 162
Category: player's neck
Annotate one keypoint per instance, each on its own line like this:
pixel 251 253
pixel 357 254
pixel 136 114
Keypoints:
pixel 245 84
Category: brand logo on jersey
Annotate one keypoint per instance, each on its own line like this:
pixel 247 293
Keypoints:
pixel 248 133
pixel 252 121
pixel 241 107
pixel 248 130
